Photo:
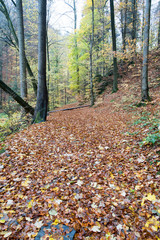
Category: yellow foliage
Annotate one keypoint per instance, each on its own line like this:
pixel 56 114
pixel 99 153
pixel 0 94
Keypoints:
pixel 154 224
pixel 149 197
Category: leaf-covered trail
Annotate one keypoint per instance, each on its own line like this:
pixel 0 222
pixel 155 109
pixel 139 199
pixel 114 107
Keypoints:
pixel 82 169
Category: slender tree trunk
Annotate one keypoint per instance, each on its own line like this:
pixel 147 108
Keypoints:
pixel 17 98
pixel 76 46
pixel 22 58
pixel 124 24
pixel 42 94
pixel 115 81
pixel 48 68
pixel 1 62
pixel 103 63
pixel 159 34
pixel 145 89
pixel 91 56
pixel 142 24
pixel 134 21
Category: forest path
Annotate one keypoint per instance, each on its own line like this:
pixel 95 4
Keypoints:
pixel 85 169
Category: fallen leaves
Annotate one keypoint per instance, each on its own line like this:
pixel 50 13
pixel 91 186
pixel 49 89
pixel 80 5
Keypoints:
pixel 150 197
pixel 77 169
pixel 26 183
pixel 96 229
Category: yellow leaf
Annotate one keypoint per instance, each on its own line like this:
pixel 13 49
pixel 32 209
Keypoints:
pixel 112 176
pixel 149 197
pixel 137 187
pixel 26 183
pixel 56 222
pixel 20 219
pixel 2 221
pixel 154 224
pixel 11 211
pixel 30 204
pixel 20 196
pixel 2 178
pixel 56 189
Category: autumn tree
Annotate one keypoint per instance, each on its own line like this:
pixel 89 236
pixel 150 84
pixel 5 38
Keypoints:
pixel 42 94
pixel 21 42
pixel 1 62
pixel 145 89
pixel 74 10
pixel 91 55
pixel 115 81
pixel 158 8
pixel 123 12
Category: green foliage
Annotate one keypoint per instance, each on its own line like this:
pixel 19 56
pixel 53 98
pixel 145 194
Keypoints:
pixel 3 116
pixel 151 139
pixel 152 126
pixel 10 108
pixel 2 150
pixel 12 123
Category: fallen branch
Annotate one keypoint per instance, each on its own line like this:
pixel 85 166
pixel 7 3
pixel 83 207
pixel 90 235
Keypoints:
pixel 17 98
pixel 66 109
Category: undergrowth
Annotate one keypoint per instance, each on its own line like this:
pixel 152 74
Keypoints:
pixel 152 127
pixel 12 123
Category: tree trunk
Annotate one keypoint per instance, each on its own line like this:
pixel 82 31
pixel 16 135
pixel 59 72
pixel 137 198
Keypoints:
pixel 159 34
pixel 124 24
pixel 48 67
pixel 42 94
pixel 142 24
pixel 115 81
pixel 76 45
pixel 91 56
pixel 134 27
pixel 22 58
pixel 17 98
pixel 144 86
pixel 1 63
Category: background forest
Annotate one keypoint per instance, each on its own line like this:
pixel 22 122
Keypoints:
pixel 80 62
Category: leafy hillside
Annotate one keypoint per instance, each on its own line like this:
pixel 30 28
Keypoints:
pixel 96 170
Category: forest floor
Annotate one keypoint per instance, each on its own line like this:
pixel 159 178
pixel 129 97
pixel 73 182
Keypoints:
pixel 96 170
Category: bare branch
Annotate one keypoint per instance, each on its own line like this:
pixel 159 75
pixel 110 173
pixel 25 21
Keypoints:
pixel 13 2
pixel 69 5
